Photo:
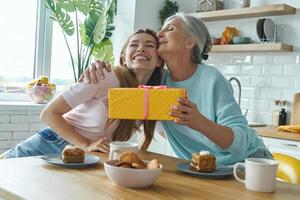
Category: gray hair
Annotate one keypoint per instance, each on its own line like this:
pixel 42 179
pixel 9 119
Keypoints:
pixel 195 28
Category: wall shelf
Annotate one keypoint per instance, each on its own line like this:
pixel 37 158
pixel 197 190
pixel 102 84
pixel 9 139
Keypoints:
pixel 263 47
pixel 259 11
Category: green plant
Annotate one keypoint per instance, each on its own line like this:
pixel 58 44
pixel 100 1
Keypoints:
pixel 92 33
pixel 170 8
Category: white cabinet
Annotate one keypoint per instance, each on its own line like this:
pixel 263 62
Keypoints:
pixel 288 147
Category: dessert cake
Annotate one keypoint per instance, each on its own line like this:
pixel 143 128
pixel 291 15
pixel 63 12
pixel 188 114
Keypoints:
pixel 203 161
pixel 72 154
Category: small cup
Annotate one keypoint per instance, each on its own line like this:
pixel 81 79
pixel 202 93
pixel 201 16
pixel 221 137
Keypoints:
pixel 260 174
pixel 116 148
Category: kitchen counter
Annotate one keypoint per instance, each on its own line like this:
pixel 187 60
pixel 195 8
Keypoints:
pixel 270 131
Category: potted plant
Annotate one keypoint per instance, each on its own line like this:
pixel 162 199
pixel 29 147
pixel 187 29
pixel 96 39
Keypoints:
pixel 169 8
pixel 91 22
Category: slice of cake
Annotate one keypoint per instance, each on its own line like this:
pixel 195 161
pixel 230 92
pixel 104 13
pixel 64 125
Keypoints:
pixel 203 161
pixel 72 154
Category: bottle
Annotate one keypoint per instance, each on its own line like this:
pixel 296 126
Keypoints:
pixel 282 114
pixel 275 113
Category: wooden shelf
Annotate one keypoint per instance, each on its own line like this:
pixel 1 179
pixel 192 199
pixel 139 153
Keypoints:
pixel 259 11
pixel 263 47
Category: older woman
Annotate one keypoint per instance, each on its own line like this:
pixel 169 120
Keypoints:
pixel 210 118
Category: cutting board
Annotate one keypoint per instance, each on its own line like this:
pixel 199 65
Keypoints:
pixel 295 119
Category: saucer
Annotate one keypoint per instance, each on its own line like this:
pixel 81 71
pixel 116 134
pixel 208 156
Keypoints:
pixel 55 159
pixel 221 171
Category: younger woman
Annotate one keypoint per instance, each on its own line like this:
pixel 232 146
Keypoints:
pixel 79 115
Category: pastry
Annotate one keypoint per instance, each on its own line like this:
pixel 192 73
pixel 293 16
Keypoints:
pixel 203 161
pixel 129 159
pixel 153 164
pixel 72 154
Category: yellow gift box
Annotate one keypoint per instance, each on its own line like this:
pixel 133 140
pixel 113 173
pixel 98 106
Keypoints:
pixel 146 102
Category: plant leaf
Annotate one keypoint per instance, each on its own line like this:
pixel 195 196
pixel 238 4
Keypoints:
pixel 112 11
pixel 109 31
pixel 104 51
pixel 92 29
pixel 100 28
pixel 83 6
pixel 68 5
pixel 61 16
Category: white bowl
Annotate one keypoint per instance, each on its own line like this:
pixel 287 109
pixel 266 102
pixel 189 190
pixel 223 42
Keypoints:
pixel 130 177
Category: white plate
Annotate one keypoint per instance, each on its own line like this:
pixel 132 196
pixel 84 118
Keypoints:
pixel 269 29
pixel 220 172
pixel 55 159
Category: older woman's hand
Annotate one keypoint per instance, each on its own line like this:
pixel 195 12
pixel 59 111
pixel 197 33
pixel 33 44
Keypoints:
pixel 95 68
pixel 186 113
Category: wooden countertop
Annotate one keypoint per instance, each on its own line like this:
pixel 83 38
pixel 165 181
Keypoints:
pixel 32 178
pixel 270 131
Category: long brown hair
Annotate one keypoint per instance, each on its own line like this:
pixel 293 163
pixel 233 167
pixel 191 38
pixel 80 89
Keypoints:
pixel 127 78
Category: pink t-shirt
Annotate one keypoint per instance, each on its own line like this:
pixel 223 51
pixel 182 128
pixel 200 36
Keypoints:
pixel 90 107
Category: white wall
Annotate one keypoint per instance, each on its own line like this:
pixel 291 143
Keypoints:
pixel 18 121
pixel 135 14
pixel 138 14
pixel 264 76
pixel 247 27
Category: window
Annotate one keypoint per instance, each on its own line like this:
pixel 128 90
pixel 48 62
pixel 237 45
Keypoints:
pixel 17 39
pixel 61 68
pixel 26 48
pixel 31 45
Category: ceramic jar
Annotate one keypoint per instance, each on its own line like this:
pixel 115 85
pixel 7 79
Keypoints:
pixel 245 3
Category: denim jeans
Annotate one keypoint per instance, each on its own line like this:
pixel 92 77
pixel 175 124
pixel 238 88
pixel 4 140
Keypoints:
pixel 44 142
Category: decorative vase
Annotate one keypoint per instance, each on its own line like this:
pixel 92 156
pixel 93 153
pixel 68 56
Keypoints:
pixel 209 5
pixel 245 3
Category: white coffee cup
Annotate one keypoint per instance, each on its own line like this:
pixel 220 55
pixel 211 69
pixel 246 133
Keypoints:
pixel 260 174
pixel 116 148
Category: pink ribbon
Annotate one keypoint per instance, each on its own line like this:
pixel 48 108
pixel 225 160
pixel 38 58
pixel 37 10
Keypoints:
pixel 146 96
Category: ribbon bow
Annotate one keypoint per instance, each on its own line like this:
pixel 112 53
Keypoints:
pixel 146 96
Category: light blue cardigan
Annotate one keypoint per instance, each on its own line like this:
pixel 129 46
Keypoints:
pixel 213 95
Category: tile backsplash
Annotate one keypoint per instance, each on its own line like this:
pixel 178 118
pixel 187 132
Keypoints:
pixel 264 77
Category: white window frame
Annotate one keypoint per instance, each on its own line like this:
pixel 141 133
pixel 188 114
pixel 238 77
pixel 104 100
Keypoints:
pixel 43 41
pixel 42 54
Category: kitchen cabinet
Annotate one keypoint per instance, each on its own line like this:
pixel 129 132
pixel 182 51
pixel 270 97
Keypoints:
pixel 287 147
pixel 280 141
pixel 251 12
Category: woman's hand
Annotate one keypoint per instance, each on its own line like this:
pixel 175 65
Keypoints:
pixel 186 113
pixel 100 145
pixel 95 68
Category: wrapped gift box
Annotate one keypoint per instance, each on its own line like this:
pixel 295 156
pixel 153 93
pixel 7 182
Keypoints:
pixel 152 103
